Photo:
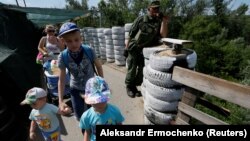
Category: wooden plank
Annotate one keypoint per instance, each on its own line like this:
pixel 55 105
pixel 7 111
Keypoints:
pixel 176 41
pixel 183 116
pixel 188 98
pixel 230 91
pixel 203 117
pixel 179 121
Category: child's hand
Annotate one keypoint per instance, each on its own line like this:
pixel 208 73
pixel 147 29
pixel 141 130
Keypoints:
pixel 62 107
pixel 32 135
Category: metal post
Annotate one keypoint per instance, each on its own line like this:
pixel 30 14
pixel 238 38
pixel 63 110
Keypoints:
pixel 17 3
pixel 24 3
pixel 100 18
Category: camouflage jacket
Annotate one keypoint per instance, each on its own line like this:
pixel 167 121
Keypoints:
pixel 145 31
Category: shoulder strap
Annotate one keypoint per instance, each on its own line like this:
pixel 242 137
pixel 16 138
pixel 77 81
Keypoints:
pixel 145 18
pixel 87 50
pixel 65 58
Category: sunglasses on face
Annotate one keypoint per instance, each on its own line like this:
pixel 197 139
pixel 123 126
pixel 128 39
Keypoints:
pixel 50 30
pixel 155 8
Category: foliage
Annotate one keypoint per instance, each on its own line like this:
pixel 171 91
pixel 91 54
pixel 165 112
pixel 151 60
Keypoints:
pixel 246 73
pixel 112 11
pixel 73 4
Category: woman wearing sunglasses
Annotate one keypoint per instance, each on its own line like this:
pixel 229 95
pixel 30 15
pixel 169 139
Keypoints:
pixel 50 46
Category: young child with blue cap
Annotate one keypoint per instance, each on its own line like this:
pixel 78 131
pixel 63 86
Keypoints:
pixel 80 64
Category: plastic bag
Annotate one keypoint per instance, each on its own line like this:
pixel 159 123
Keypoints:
pixel 39 58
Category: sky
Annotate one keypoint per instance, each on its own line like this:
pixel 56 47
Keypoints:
pixel 61 3
pixel 46 3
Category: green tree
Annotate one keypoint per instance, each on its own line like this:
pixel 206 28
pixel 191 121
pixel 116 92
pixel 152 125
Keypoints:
pixel 91 20
pixel 246 73
pixel 220 10
pixel 114 12
pixel 73 4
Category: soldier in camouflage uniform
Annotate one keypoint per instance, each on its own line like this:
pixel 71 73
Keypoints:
pixel 145 32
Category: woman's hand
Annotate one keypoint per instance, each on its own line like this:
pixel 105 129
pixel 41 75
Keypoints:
pixel 45 54
pixel 32 135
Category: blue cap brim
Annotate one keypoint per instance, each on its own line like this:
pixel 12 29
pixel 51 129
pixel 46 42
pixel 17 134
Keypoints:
pixel 73 29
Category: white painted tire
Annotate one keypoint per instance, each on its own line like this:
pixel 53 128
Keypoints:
pixel 165 60
pixel 150 50
pixel 118 30
pixel 127 27
pixel 156 117
pixel 161 79
pixel 159 105
pixel 163 94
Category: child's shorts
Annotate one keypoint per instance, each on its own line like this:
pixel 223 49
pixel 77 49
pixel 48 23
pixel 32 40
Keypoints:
pixel 52 136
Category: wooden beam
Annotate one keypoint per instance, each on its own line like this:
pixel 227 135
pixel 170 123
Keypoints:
pixel 229 91
pixel 179 121
pixel 203 117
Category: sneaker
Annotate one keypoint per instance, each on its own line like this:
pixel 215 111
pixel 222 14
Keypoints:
pixel 130 92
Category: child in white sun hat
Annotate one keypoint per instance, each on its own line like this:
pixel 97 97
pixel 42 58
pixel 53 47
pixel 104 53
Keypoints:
pixel 43 114
pixel 97 94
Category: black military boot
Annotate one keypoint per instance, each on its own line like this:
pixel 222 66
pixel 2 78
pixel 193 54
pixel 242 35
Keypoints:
pixel 136 92
pixel 130 91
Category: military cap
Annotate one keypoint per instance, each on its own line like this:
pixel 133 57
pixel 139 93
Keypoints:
pixel 155 3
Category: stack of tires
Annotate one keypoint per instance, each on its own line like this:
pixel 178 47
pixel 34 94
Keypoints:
pixel 109 45
pixel 161 93
pixel 127 28
pixel 102 43
pixel 96 43
pixel 118 36
pixel 87 34
pixel 82 33
pixel 149 50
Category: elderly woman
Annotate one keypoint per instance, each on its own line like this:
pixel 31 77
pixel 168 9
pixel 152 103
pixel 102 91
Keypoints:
pixel 50 45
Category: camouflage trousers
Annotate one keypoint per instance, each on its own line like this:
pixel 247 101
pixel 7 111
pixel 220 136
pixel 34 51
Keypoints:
pixel 135 64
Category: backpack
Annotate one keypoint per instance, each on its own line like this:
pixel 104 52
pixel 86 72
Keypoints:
pixel 87 51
